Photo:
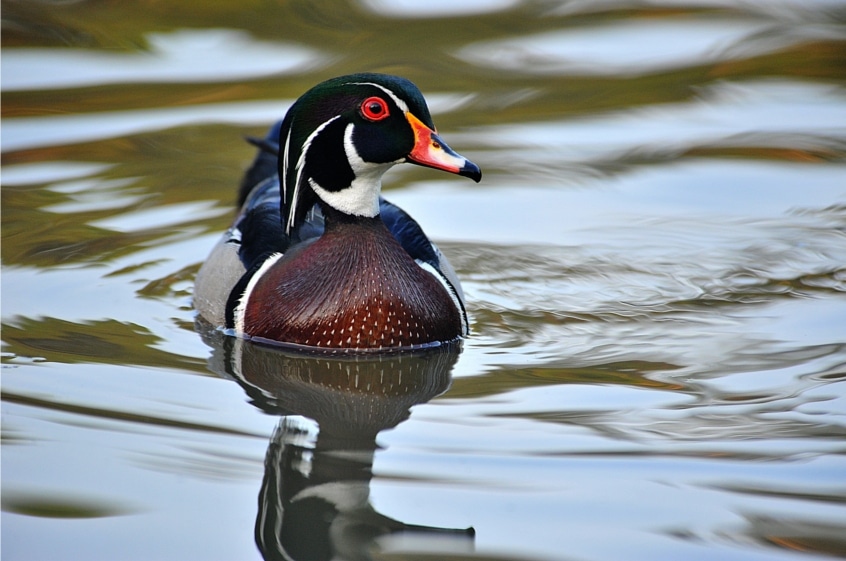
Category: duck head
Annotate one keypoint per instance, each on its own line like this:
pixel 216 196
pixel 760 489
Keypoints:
pixel 342 135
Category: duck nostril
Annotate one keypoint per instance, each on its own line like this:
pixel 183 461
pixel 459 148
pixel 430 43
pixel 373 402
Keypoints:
pixel 436 145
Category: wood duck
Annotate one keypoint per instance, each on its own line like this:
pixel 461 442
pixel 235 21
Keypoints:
pixel 316 257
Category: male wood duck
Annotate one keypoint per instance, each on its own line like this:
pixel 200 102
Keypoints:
pixel 316 257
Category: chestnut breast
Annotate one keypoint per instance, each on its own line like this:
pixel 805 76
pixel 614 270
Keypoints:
pixel 354 287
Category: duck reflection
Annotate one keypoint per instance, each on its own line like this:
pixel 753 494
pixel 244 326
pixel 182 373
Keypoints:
pixel 314 500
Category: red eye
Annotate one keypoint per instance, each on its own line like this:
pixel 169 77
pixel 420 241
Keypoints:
pixel 374 109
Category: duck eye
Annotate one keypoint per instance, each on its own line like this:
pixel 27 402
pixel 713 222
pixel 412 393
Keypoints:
pixel 374 109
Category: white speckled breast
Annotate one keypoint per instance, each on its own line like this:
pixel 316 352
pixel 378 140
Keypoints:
pixel 355 287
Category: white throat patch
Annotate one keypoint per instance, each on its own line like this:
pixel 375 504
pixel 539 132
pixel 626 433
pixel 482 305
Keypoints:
pixel 361 198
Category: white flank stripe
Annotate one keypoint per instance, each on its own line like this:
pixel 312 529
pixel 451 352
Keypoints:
pixel 241 309
pixel 465 328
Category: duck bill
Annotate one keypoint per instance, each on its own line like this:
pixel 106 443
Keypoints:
pixel 430 151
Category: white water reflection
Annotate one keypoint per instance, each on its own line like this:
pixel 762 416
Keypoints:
pixel 435 8
pixel 635 47
pixel 47 172
pixel 767 113
pixel 679 206
pixel 32 132
pixel 160 217
pixel 184 56
pixel 785 10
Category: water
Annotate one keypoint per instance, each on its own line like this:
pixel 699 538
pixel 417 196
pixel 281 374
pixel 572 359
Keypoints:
pixel 654 266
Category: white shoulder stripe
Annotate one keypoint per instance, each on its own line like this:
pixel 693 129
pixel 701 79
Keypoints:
pixel 465 327
pixel 241 308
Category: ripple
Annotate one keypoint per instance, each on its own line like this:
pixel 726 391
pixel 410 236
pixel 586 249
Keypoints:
pixel 34 132
pixel 49 172
pixel 51 504
pixel 435 8
pixel 160 217
pixel 631 47
pixel 183 56
pixel 761 113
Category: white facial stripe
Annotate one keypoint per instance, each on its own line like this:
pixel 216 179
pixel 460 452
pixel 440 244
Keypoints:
pixel 361 198
pixel 241 309
pixel 300 166
pixel 400 103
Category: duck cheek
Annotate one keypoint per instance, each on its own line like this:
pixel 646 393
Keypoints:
pixel 325 160
pixel 382 143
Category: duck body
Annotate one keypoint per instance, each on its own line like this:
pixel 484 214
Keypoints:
pixel 316 257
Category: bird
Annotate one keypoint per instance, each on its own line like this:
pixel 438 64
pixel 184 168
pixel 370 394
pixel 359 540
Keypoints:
pixel 316 258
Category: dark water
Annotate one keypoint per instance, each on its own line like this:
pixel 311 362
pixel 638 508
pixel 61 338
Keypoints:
pixel 654 265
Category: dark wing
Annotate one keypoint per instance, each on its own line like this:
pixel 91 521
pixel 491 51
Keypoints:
pixel 259 228
pixel 264 164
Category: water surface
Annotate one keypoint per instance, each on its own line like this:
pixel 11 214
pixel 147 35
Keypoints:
pixel 654 267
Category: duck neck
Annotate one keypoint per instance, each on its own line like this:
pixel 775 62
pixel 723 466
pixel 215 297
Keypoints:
pixel 335 218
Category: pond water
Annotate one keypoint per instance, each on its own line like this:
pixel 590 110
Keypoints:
pixel 654 262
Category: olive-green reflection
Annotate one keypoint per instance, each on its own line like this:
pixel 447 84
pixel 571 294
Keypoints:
pixel 499 98
pixel 46 226
pixel 116 415
pixel 49 505
pixel 314 499
pixel 318 23
pixel 99 342
pixel 506 378
pixel 793 533
pixel 354 39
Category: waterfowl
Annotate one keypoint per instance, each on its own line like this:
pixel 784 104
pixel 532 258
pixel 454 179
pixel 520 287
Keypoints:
pixel 316 257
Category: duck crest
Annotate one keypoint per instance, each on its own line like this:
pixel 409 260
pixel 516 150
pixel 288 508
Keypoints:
pixel 306 297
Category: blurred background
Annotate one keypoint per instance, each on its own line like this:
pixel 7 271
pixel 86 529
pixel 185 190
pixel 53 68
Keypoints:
pixel 654 263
